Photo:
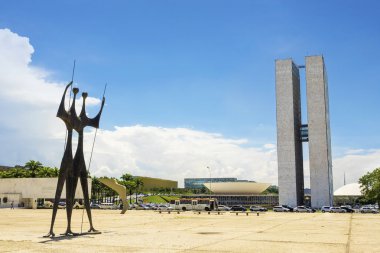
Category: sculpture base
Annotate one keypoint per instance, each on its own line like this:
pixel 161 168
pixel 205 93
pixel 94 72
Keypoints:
pixel 72 234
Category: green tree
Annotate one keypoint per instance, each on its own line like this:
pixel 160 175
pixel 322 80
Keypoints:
pixel 370 186
pixel 129 182
pixel 273 189
pixel 139 184
pixel 18 173
pixel 46 172
pixel 55 172
pixel 96 189
pixel 33 166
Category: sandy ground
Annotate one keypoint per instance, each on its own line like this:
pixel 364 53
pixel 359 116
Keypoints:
pixel 21 230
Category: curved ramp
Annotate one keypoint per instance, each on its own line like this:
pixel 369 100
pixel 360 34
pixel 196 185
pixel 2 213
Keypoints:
pixel 120 189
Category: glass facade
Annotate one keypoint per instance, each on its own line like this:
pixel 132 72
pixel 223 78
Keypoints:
pixel 304 133
pixel 197 183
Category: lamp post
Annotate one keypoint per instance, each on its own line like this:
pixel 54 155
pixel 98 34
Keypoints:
pixel 209 170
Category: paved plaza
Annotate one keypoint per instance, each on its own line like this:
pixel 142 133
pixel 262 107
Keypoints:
pixel 21 230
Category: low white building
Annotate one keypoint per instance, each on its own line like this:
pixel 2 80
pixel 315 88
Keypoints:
pixel 26 191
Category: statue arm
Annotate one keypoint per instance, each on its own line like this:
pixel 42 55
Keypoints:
pixel 94 122
pixel 61 109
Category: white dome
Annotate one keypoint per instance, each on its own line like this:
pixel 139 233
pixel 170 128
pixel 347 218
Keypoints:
pixel 244 188
pixel 349 190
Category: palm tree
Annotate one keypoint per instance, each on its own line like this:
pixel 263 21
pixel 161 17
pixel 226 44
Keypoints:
pixel 129 182
pixel 96 188
pixel 130 185
pixel 127 177
pixel 33 166
pixel 139 184
pixel 18 173
pixel 45 172
pixel 55 172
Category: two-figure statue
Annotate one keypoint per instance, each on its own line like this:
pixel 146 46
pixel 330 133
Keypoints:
pixel 71 168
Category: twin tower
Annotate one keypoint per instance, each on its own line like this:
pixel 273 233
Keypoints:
pixel 291 133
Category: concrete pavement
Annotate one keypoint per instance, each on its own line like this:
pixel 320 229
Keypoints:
pixel 21 230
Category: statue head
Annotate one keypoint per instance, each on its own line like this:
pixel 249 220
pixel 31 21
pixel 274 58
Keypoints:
pixel 75 91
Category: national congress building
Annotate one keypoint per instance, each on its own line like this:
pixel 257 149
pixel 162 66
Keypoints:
pixel 291 132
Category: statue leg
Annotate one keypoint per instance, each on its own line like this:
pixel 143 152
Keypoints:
pixel 58 192
pixel 70 194
pixel 84 184
pixel 75 183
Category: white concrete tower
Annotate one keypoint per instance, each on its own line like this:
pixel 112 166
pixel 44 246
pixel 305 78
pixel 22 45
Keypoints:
pixel 319 132
pixel 289 145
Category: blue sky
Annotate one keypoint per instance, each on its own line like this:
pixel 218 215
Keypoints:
pixel 208 65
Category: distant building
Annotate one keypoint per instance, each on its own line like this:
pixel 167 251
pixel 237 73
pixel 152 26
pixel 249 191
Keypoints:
pixel 28 192
pixel 149 183
pixel 245 200
pixel 348 194
pixel 197 183
pixel 237 192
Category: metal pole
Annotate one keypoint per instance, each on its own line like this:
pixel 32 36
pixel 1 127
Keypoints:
pixel 209 180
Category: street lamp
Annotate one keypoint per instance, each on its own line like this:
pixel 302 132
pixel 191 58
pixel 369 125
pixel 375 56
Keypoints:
pixel 209 169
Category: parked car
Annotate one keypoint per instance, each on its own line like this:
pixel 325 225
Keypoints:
pixel 313 210
pixel 77 205
pixel 142 207
pixel 258 209
pixel 280 209
pixel 151 206
pixel 133 206
pixel 62 205
pixel 164 208
pixel 47 204
pixel 94 206
pixel 223 208
pixel 348 209
pixel 366 209
pixel 291 209
pixel 238 208
pixel 106 205
pixel 337 209
pixel 325 209
pixel 302 209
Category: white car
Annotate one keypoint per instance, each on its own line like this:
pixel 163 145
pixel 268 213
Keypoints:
pixel 325 209
pixel 336 209
pixel 302 209
pixel 366 209
pixel 164 208
pixel 223 208
pixel 280 209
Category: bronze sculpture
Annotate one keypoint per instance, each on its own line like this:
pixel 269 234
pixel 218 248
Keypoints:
pixel 72 169
pixel 79 164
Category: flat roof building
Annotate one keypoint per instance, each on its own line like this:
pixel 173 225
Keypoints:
pixel 25 192
pixel 197 183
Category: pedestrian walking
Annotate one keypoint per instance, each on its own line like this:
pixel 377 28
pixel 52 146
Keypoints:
pixel 12 205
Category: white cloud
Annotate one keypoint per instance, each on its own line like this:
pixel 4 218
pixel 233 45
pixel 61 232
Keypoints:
pixel 28 102
pixel 176 153
pixel 29 127
pixel 354 165
pixel 30 130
